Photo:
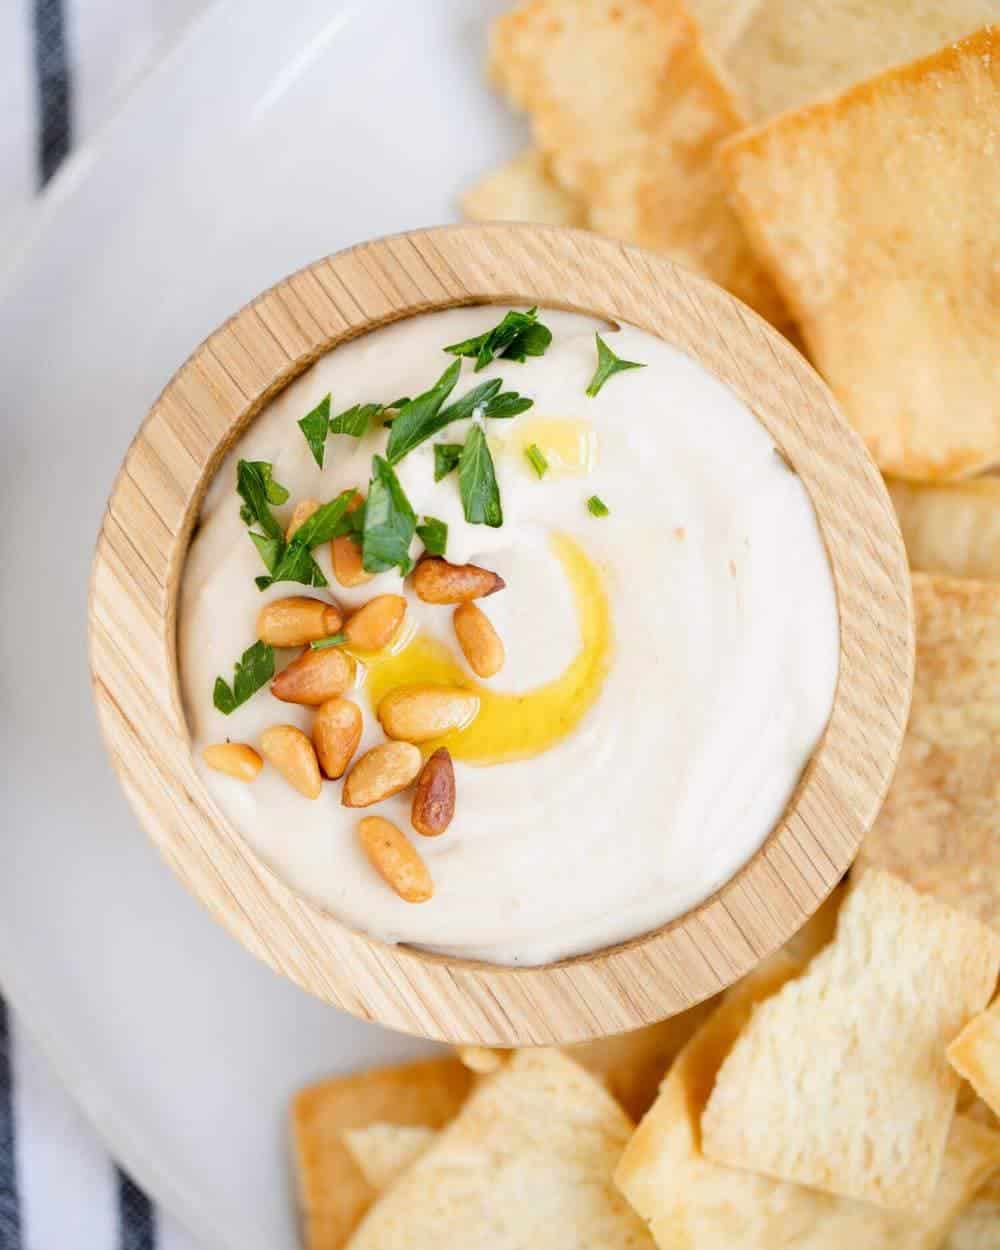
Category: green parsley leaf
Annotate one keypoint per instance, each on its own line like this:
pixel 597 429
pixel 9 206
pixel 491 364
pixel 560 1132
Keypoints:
pixel 396 404
pixel 608 364
pixel 324 523
pixel 258 490
pixel 354 421
pixel 536 458
pixel 519 335
pixel 294 564
pixel 477 482
pixel 323 644
pixel 509 404
pixel 390 522
pixel 293 561
pixel 596 506
pixel 416 420
pixel 254 667
pixel 315 426
pixel 446 458
pixel 434 535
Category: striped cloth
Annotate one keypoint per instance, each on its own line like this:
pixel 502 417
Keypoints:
pixel 64 64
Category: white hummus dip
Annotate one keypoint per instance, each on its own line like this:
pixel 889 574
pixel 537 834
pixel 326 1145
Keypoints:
pixel 677 657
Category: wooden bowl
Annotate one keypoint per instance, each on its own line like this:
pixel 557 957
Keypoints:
pixel 140 560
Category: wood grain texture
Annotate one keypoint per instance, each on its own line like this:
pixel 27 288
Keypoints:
pixel 140 559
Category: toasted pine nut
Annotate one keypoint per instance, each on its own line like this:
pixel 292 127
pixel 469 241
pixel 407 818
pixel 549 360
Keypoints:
pixel 345 555
pixel 315 677
pixel 294 621
pixel 434 796
pixel 394 857
pixel 419 713
pixel 235 759
pixel 303 511
pixel 380 773
pixel 437 581
pixel 289 751
pixel 375 623
pixel 336 734
pixel 481 644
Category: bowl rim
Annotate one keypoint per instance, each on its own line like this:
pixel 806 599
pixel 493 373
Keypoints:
pixel 139 561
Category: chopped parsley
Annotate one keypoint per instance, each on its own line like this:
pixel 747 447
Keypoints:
pixel 389 524
pixel 518 336
pixel 417 420
pixel 596 506
pixel 446 458
pixel 536 458
pixel 434 535
pixel 509 404
pixel 477 482
pixel 608 364
pixel 253 669
pixel 314 426
pixel 425 416
pixel 355 421
pixel 334 640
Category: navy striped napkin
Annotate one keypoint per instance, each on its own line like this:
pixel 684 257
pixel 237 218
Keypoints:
pixel 63 64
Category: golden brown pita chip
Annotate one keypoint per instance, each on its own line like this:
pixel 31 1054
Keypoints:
pixel 940 825
pixel 522 190
pixel 975 1054
pixel 526 1165
pixel 628 109
pixel 782 56
pixel 692 1203
pixel 334 1194
pixel 952 527
pixel 840 1080
pixel 876 213
pixel 384 1151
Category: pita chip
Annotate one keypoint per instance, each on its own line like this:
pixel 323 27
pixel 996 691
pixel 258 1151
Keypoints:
pixel 939 828
pixel 334 1193
pixel 628 109
pixel 876 214
pixel 691 1203
pixel 526 1165
pixel 840 1080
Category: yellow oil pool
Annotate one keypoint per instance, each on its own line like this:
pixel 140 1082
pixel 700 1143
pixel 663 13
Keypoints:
pixel 512 726
pixel 570 446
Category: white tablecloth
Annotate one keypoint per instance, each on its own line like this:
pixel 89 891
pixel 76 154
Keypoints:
pixel 64 66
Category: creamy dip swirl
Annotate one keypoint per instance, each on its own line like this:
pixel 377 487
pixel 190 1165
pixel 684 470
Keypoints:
pixel 704 600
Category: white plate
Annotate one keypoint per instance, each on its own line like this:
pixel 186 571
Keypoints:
pixel 273 134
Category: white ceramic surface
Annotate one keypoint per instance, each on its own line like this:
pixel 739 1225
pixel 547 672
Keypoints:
pixel 271 135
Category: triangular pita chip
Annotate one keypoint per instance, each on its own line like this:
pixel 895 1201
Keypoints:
pixel 876 212
pixel 940 825
pixel 692 1203
pixel 840 1080
pixel 526 1165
